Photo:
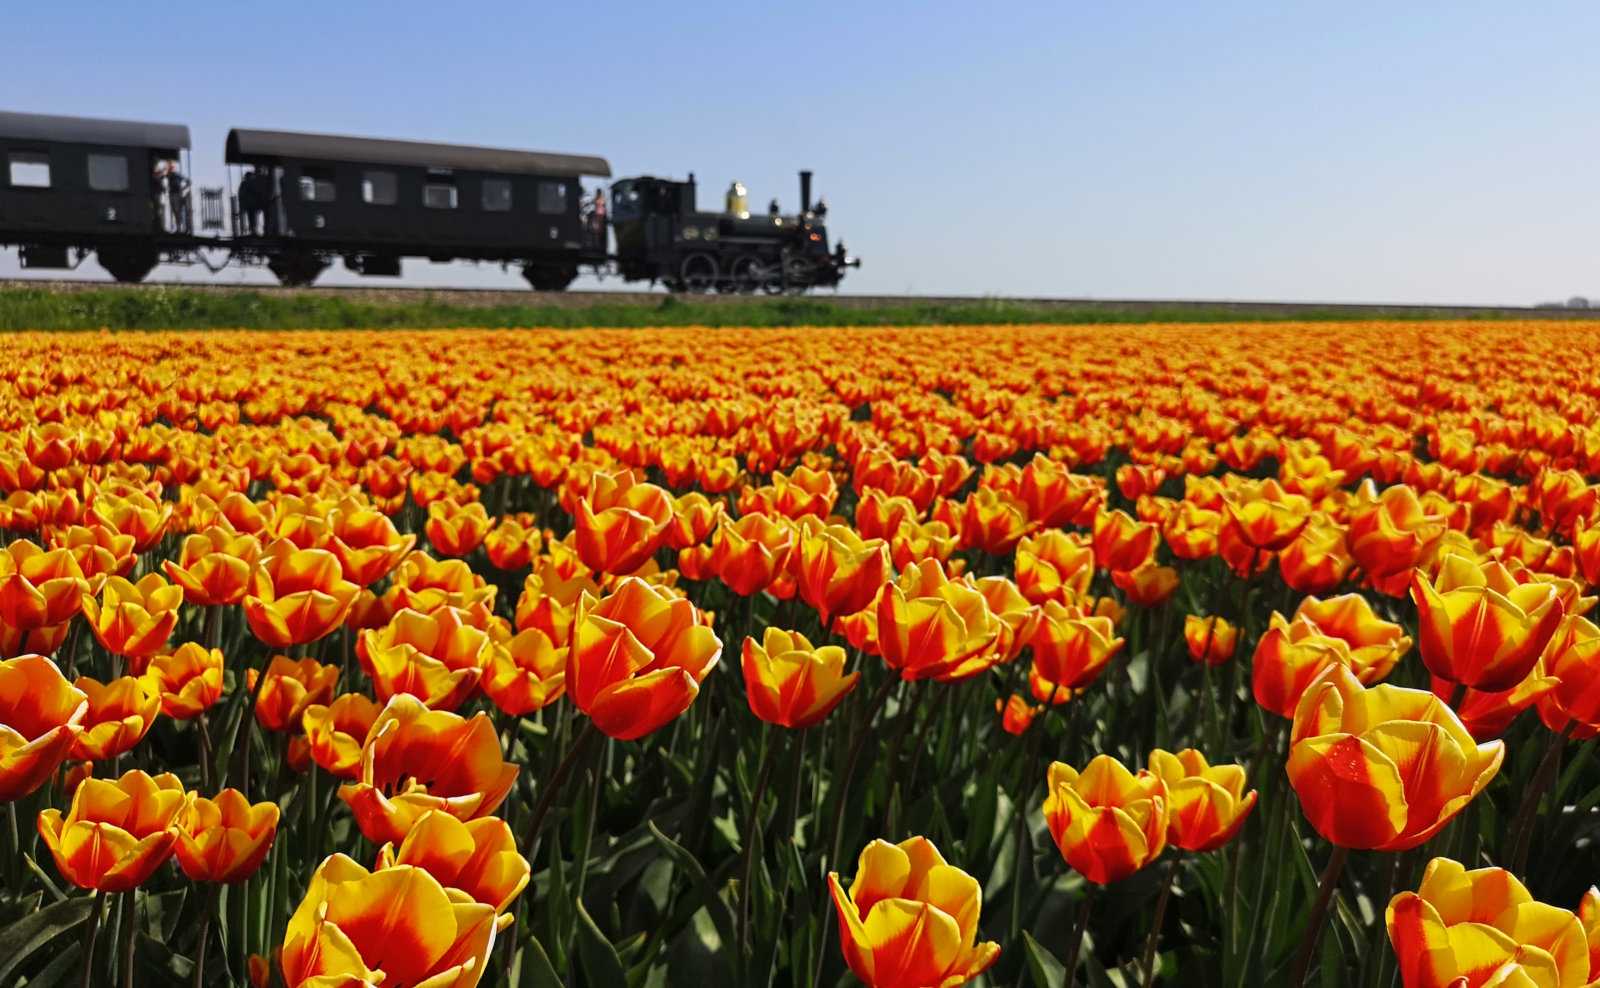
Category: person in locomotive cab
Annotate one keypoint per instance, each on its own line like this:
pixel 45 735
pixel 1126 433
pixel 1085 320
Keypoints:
pixel 772 207
pixel 178 198
pixel 821 208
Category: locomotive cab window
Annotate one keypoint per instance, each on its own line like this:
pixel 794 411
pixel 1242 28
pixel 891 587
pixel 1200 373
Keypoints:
pixel 496 195
pixel 316 185
pixel 440 194
pixel 29 169
pixel 553 198
pixel 108 173
pixel 379 188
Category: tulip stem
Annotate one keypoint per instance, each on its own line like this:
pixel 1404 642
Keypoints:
pixel 89 936
pixel 205 934
pixel 857 743
pixel 752 833
pixel 1078 934
pixel 207 755
pixel 130 926
pixel 1527 816
pixel 1318 917
pixel 553 789
pixel 1160 917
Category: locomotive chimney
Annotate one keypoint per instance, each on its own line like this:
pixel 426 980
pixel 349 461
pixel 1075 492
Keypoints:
pixel 805 192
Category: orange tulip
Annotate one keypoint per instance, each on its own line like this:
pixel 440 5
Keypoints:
pixel 1018 618
pixel 694 517
pixel 225 839
pixel 837 571
pixel 396 926
pixel 39 588
pixel 366 543
pixel 414 760
pixel 929 626
pixel 1265 516
pixel 1016 713
pixel 526 673
pixel 912 543
pixel 1389 531
pixel 1382 768
pixel 1589 916
pixel 620 522
pixel 213 567
pixel 1191 532
pixel 478 858
pixel 99 551
pixel 1337 631
pixel 792 683
pixel 297 595
pixel 116 833
pixel 1573 659
pixel 189 680
pixel 750 554
pixel 120 714
pixel 1478 626
pixel 1107 822
pixel 1053 496
pixel 134 513
pixel 1070 651
pixel 1122 544
pixel 880 516
pixel 638 657
pixel 1206 804
pixel 425 584
pixel 456 530
pixel 1147 585
pixel 1210 639
pixel 40 714
pixel 1054 565
pixel 1481 927
pixel 910 920
pixel 1317 560
pixel 134 619
pixel 334 732
pixel 1486 716
pixel 289 687
pixel 510 545
pixel 993 522
pixel 437 657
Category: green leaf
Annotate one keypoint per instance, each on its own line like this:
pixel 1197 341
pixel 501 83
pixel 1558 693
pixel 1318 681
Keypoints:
pixel 537 971
pixel 706 893
pixel 1043 968
pixel 596 957
pixel 64 969
pixel 22 939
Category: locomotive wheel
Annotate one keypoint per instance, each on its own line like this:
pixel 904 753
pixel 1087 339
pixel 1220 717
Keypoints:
pixel 129 265
pixel 747 274
pixel 796 275
pixel 296 270
pixel 549 278
pixel 698 272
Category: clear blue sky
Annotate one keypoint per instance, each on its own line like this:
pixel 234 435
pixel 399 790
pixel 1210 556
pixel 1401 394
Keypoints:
pixel 1357 151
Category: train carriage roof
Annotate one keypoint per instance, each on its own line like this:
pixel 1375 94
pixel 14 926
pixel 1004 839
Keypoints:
pixel 94 130
pixel 247 146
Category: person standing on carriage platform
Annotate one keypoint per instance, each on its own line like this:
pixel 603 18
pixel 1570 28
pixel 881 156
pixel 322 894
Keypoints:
pixel 252 204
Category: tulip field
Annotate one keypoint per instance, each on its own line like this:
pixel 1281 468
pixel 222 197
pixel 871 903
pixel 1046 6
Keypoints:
pixel 1229 656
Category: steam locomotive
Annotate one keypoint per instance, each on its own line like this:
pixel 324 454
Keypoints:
pixel 296 203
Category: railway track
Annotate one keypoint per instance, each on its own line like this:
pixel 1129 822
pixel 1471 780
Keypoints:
pixel 490 297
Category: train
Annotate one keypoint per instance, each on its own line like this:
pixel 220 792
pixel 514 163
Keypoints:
pixel 297 203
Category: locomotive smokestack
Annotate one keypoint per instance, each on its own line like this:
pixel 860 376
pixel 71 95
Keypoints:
pixel 805 192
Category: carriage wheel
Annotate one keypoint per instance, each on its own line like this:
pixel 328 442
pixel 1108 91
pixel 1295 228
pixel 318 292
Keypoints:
pixel 698 272
pixel 296 270
pixel 796 275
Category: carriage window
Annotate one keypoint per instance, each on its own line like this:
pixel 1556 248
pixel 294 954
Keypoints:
pixel 438 195
pixel 108 173
pixel 30 169
pixel 316 185
pixel 553 197
pixel 379 188
pixel 496 195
